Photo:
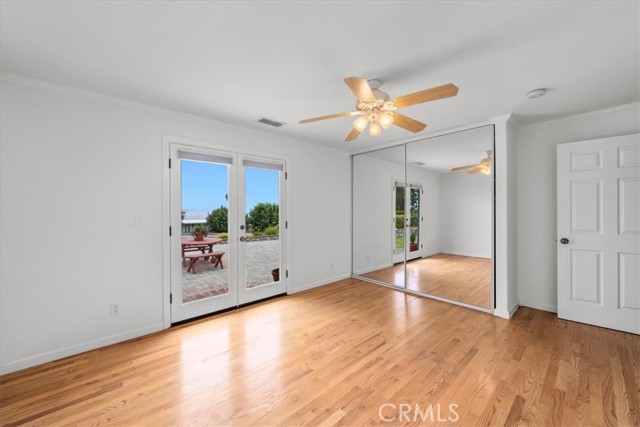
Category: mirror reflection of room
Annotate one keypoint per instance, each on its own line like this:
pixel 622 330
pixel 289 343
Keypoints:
pixel 378 231
pixel 427 226
pixel 455 260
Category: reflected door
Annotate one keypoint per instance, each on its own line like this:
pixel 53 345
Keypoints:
pixel 414 229
pixel 399 221
pixel 261 228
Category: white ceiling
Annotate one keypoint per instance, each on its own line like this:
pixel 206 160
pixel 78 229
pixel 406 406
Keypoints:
pixel 442 153
pixel 238 61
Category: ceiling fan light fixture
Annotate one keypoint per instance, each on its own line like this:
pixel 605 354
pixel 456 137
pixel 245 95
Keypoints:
pixel 361 123
pixel 386 119
pixel 374 128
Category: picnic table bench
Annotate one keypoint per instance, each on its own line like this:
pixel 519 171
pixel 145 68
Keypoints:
pixel 215 256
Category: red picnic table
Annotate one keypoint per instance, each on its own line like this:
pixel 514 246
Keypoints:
pixel 200 247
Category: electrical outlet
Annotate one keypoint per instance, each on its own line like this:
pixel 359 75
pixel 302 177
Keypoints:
pixel 115 309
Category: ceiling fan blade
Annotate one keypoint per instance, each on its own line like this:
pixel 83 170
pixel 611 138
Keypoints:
pixel 407 122
pixel 330 116
pixel 360 88
pixel 475 170
pixel 352 135
pixel 439 92
pixel 461 168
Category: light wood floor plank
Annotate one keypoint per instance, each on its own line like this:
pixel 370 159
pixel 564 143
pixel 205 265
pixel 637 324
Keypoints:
pixel 332 356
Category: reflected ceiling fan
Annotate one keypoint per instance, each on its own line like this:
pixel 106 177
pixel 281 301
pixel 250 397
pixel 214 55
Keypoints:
pixel 377 110
pixel 484 167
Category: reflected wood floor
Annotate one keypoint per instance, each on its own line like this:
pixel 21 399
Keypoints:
pixel 459 278
pixel 332 356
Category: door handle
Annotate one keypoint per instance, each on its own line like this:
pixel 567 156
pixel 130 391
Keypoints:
pixel 564 240
pixel 242 239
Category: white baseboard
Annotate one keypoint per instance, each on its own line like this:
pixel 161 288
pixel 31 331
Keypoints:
pixel 370 269
pixel 465 254
pixel 539 306
pixel 50 356
pixel 506 314
pixel 319 283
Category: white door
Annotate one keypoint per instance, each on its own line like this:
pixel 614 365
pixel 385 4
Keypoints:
pixel 599 232
pixel 242 259
pixel 202 181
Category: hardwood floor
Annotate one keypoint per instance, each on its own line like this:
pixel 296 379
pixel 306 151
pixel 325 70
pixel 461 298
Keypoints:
pixel 458 278
pixel 333 356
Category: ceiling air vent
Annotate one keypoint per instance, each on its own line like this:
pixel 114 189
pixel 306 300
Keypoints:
pixel 270 122
pixel 419 163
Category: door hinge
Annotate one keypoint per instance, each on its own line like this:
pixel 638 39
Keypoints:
pixel 286 224
pixel 286 175
pixel 170 298
pixel 287 273
pixel 169 230
pixel 169 163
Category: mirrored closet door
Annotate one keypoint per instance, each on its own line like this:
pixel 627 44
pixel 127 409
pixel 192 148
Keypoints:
pixel 379 220
pixel 439 216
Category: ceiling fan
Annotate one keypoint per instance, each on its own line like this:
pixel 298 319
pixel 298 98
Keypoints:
pixel 484 167
pixel 379 111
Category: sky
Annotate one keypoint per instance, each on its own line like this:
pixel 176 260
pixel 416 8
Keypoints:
pixel 204 186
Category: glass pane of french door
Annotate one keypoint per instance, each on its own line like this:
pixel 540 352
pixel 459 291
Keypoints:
pixel 261 250
pixel 205 215
pixel 414 222
pixel 399 223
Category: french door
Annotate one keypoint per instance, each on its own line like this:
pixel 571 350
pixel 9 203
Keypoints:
pixel 407 231
pixel 239 201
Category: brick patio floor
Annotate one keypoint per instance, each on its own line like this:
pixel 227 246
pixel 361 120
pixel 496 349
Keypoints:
pixel 209 281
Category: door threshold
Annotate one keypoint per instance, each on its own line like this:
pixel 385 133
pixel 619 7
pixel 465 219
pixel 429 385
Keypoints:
pixel 225 310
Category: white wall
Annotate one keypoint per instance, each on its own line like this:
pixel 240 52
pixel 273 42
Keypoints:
pixel 76 169
pixel 465 214
pixel 373 207
pixel 536 168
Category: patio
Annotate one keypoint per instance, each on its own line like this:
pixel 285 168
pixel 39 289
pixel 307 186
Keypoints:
pixel 261 257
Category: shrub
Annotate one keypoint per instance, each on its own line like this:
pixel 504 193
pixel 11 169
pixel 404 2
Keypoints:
pixel 217 220
pixel 223 236
pixel 399 221
pixel 263 215
pixel 257 234
pixel 199 230
pixel 272 231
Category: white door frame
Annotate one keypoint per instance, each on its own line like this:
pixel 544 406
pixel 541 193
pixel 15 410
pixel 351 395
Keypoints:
pixel 167 140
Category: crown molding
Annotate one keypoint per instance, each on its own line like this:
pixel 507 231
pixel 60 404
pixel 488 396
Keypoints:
pixel 590 115
pixel 508 118
pixel 6 76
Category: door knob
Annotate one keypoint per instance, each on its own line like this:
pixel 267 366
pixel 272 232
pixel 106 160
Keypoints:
pixel 564 240
pixel 242 239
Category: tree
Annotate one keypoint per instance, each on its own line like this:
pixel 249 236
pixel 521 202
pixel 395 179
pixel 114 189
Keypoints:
pixel 217 220
pixel 263 215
